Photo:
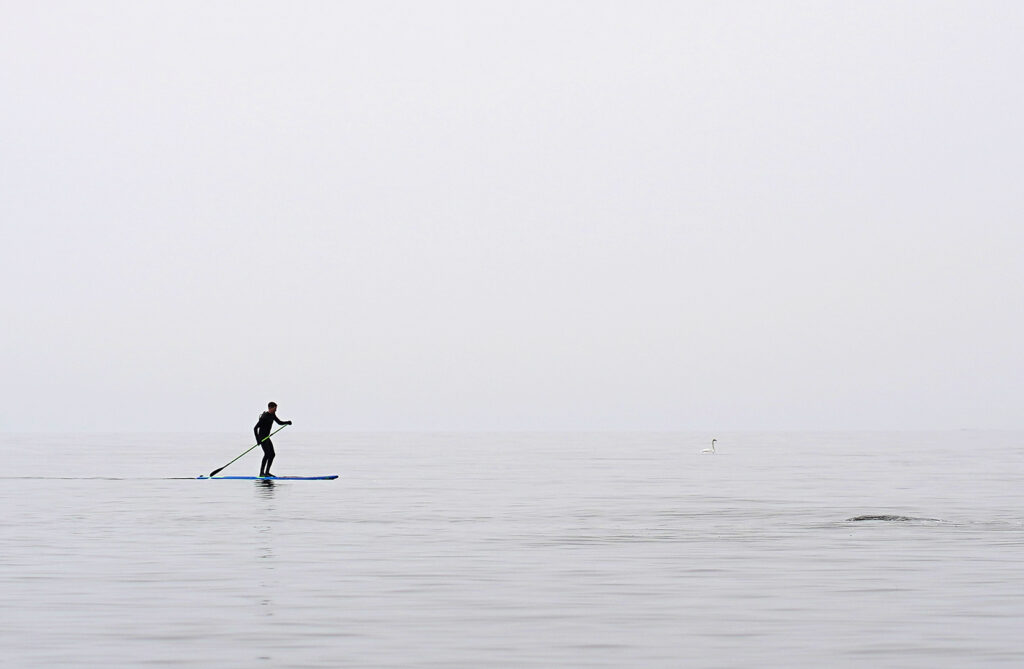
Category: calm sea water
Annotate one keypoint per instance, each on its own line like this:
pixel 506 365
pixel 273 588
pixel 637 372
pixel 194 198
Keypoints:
pixel 512 550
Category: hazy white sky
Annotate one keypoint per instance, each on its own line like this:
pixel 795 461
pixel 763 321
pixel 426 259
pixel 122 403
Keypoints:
pixel 511 215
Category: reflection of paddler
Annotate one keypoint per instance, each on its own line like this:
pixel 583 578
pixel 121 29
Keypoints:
pixel 262 432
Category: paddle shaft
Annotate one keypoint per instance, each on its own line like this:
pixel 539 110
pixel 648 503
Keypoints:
pixel 216 471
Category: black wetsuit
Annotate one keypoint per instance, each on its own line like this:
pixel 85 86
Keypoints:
pixel 262 430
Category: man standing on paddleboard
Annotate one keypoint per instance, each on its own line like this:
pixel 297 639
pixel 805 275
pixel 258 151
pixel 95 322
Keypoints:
pixel 262 431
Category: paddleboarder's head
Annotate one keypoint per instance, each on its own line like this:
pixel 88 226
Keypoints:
pixel 272 407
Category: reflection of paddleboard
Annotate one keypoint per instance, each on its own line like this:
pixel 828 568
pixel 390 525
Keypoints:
pixel 268 478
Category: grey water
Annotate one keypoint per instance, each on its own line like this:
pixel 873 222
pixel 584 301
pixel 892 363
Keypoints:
pixel 513 550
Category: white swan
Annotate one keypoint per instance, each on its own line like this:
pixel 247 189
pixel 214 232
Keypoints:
pixel 712 449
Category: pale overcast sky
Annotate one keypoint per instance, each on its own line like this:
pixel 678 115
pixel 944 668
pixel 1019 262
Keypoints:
pixel 511 215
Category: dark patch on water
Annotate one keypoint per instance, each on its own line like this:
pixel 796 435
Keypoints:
pixel 890 518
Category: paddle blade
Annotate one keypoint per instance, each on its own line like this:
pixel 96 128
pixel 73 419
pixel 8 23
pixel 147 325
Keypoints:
pixel 216 471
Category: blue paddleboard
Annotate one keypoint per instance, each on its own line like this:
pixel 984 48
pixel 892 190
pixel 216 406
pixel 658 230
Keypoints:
pixel 268 478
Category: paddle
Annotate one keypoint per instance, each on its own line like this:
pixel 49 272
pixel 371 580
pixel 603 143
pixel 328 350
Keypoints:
pixel 217 471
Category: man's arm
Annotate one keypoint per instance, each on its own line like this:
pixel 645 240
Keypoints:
pixel 281 422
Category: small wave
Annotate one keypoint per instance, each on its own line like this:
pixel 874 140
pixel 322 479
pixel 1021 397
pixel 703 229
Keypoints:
pixel 890 518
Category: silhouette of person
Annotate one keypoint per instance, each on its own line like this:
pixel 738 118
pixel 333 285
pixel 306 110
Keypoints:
pixel 262 431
